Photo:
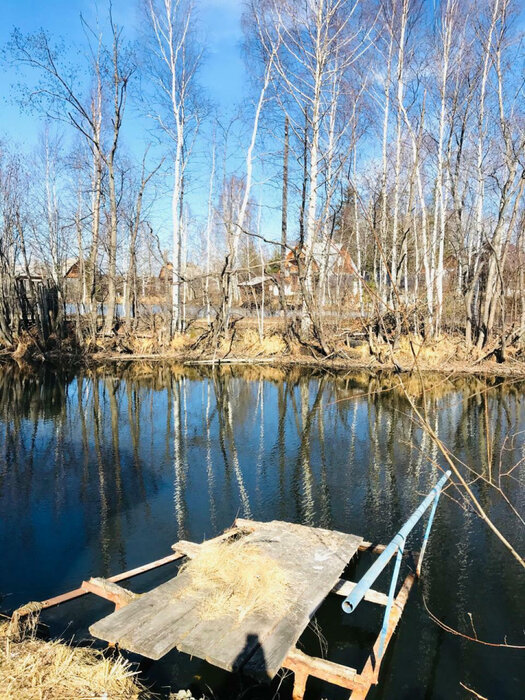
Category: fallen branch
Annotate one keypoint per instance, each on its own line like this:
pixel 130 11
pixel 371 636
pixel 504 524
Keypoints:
pixel 457 633
pixel 476 695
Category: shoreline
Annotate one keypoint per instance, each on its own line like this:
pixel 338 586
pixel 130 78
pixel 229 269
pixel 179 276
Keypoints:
pixel 446 356
pixel 461 368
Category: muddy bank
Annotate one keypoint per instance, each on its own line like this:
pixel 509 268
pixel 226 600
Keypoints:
pixel 448 354
pixel 508 369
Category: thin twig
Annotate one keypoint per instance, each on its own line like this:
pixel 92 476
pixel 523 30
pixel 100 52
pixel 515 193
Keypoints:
pixel 476 695
pixel 457 633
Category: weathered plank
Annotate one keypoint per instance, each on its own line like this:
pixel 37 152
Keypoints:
pixel 110 591
pixel 143 628
pixel 167 616
pixel 344 588
pixel 186 549
pixel 191 549
pixel 314 558
pixel 318 565
pixel 146 625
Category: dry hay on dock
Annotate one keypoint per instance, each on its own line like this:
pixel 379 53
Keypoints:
pixel 34 669
pixel 236 578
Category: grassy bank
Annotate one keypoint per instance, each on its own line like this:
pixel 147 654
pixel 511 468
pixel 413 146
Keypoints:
pixel 34 669
pixel 446 354
pixel 246 344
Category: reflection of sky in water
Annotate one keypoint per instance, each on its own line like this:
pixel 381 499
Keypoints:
pixel 101 473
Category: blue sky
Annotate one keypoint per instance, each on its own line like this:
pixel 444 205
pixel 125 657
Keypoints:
pixel 222 76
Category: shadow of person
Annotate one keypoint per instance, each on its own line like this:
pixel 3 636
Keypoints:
pixel 253 653
pixel 250 664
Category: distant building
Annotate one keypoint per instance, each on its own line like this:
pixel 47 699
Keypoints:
pixel 71 268
pixel 339 268
pixel 166 272
pixel 252 290
pixel 34 271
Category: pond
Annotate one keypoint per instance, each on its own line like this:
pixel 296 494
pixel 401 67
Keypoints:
pixel 103 470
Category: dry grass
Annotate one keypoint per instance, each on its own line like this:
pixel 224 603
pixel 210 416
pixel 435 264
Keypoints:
pixel 248 342
pixel 431 353
pixel 33 669
pixel 235 578
pixel 143 345
pixel 358 352
pixel 26 349
pixel 272 345
pixel 180 341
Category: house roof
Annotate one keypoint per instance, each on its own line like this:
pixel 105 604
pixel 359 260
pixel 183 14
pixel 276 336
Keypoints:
pixel 166 269
pixel 255 281
pixel 339 259
pixel 68 264
pixel 36 269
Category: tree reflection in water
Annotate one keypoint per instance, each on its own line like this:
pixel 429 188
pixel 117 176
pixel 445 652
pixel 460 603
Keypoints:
pixel 104 469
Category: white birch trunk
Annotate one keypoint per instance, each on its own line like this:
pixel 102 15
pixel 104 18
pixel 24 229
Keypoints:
pixel 397 169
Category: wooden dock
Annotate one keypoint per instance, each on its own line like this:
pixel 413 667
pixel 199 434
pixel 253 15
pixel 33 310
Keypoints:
pixel 260 643
pixel 167 617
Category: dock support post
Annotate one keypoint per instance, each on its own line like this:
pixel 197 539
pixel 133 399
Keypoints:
pixel 299 684
pixel 391 592
pixel 370 673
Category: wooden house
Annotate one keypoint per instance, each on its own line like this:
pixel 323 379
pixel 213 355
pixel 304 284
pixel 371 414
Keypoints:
pixel 328 259
pixel 71 268
pixel 166 272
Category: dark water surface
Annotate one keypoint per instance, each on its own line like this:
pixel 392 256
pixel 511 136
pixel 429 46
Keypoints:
pixel 102 471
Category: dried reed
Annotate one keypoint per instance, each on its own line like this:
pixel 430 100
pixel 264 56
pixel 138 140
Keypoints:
pixel 236 578
pixel 34 669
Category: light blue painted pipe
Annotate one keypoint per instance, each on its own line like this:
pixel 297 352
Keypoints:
pixel 351 602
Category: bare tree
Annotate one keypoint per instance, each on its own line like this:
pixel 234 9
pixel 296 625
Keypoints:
pixel 122 70
pixel 175 59
pixel 59 96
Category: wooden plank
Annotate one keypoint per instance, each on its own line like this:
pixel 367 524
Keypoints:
pixel 152 625
pixel 344 588
pixel 146 625
pixel 191 549
pixel 229 645
pixel 314 559
pixel 167 617
pixel 371 547
pixel 110 591
pixel 186 549
pixel 250 525
pixel 316 582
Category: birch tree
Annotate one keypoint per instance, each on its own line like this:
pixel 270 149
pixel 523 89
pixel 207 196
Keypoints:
pixel 313 44
pixel 509 175
pixel 122 70
pixel 58 94
pixel 173 65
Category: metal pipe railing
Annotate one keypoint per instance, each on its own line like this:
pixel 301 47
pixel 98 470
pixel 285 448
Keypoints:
pixel 397 545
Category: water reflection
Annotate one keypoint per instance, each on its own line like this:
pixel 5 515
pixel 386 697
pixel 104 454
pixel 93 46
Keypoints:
pixel 104 470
